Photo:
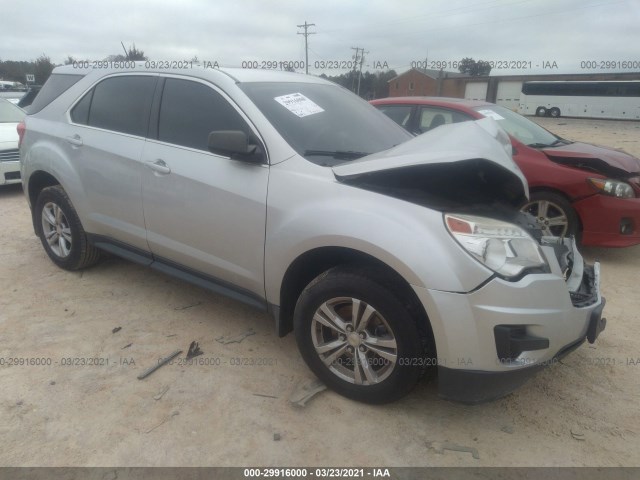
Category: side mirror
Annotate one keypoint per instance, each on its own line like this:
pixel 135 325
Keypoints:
pixel 235 144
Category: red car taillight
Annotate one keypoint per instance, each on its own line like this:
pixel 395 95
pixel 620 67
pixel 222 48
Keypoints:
pixel 21 129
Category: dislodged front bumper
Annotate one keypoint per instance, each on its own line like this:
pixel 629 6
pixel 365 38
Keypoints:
pixel 491 340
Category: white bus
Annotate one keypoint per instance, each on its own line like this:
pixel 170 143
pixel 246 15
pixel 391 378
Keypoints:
pixel 605 99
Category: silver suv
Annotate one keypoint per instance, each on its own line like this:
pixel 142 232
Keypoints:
pixel 389 256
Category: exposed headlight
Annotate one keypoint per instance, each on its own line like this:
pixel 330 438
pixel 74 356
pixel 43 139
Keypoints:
pixel 615 188
pixel 503 247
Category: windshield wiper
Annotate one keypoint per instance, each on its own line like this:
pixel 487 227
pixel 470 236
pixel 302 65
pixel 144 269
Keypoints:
pixel 560 141
pixel 339 154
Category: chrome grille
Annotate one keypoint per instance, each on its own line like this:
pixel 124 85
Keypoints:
pixel 9 155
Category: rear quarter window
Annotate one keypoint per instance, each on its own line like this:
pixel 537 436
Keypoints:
pixel 56 85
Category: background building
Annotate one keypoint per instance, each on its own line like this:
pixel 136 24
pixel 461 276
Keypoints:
pixel 501 89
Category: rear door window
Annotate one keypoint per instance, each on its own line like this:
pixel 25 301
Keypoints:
pixel 121 104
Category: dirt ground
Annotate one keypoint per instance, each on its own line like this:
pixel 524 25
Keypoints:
pixel 233 407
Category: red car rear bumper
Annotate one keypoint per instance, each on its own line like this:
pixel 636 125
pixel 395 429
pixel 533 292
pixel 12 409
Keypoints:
pixel 603 219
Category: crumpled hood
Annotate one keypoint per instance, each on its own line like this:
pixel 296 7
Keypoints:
pixel 582 152
pixel 480 139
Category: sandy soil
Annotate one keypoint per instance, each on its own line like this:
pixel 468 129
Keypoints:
pixel 225 411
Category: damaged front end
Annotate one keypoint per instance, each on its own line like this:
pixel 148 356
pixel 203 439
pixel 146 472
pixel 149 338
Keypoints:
pixel 608 202
pixel 541 300
pixel 478 188
pixel 466 172
pixel 582 279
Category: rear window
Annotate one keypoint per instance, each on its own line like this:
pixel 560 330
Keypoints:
pixel 52 89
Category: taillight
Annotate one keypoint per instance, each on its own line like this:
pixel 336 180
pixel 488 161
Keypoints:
pixel 21 129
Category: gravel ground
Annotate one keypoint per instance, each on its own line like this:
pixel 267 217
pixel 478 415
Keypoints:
pixel 232 407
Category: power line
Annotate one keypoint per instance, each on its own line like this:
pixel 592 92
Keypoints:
pixel 306 45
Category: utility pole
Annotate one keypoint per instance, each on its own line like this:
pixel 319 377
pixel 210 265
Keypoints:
pixel 361 61
pixel 306 45
pixel 356 59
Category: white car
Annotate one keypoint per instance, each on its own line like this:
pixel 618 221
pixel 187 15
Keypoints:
pixel 10 116
pixel 11 96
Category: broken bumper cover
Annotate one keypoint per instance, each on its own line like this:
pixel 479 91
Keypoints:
pixel 492 340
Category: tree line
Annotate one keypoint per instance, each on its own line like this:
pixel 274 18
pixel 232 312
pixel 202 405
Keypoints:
pixel 372 85
pixel 16 71
pixel 41 67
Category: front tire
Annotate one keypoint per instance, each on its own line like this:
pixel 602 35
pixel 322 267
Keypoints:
pixel 60 231
pixel 358 337
pixel 554 214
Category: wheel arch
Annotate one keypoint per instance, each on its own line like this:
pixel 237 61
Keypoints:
pixel 312 263
pixel 38 181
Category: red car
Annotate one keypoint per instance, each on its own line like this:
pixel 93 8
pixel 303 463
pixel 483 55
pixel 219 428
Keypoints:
pixel 575 188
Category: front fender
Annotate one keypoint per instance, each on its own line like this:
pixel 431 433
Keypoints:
pixel 305 212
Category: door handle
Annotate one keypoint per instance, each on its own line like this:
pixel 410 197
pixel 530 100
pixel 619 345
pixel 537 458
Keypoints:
pixel 158 166
pixel 76 140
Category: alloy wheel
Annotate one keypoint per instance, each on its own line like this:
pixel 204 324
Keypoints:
pixel 354 341
pixel 551 218
pixel 56 230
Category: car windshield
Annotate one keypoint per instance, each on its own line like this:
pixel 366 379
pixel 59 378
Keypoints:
pixel 519 127
pixel 325 123
pixel 9 113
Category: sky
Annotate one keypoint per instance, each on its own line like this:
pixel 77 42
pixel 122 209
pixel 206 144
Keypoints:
pixel 519 36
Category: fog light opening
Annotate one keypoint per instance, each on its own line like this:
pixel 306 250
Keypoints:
pixel 512 340
pixel 626 226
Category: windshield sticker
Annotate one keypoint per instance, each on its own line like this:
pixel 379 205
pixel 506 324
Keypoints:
pixel 491 114
pixel 298 104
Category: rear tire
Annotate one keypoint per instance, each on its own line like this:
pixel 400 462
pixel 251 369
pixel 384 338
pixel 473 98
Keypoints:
pixel 377 356
pixel 541 112
pixel 60 231
pixel 554 112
